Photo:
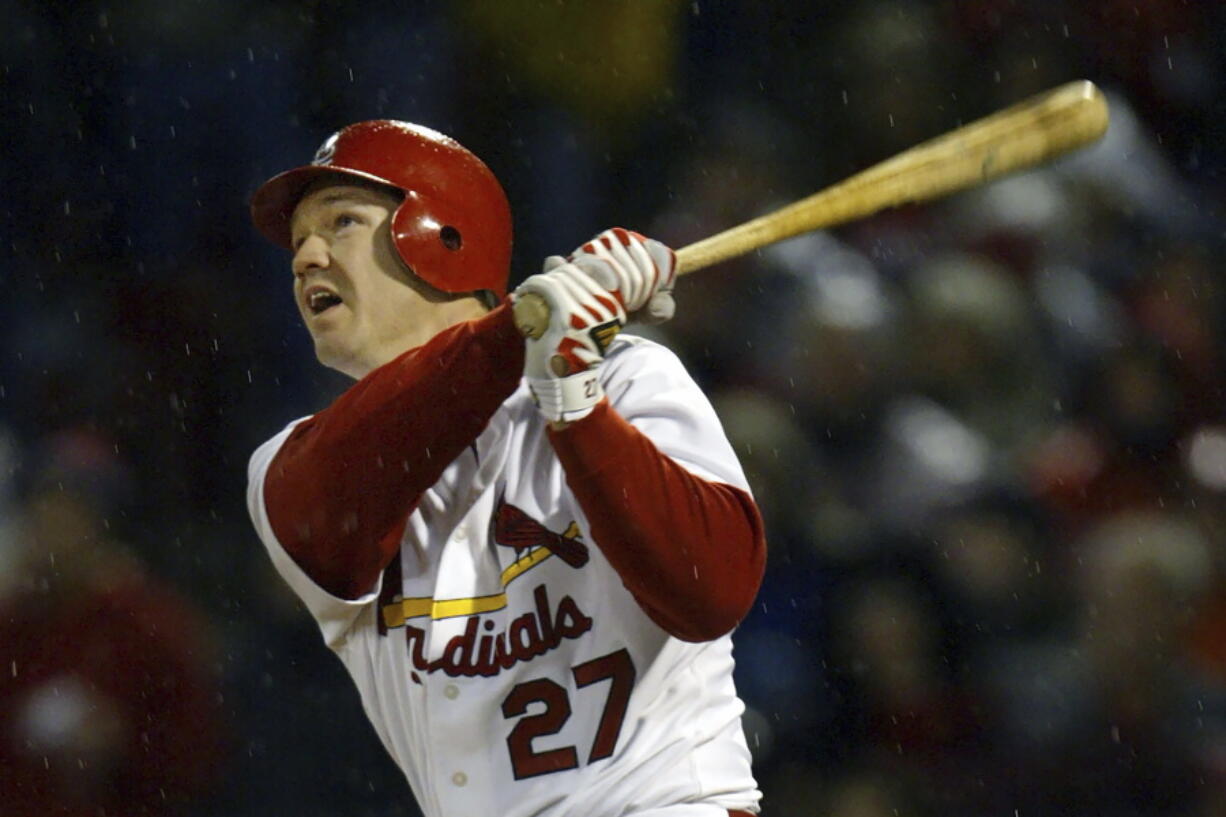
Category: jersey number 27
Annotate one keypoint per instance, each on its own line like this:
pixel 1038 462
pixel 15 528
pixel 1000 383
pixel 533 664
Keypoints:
pixel 615 667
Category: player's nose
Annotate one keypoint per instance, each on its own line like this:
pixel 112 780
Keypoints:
pixel 312 253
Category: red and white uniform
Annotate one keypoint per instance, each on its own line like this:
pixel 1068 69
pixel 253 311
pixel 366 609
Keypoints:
pixel 537 620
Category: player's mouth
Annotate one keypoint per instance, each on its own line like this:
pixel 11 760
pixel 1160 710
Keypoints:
pixel 319 299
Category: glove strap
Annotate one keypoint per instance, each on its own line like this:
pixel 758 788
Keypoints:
pixel 567 398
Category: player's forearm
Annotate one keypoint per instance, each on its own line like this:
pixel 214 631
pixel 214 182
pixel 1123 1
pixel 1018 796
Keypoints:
pixel 341 487
pixel 691 551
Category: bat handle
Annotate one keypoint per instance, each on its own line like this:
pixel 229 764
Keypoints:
pixel 531 315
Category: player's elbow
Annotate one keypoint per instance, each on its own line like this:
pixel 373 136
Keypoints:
pixel 710 618
pixel 715 605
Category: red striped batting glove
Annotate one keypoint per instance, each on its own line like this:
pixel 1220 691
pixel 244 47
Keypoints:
pixel 562 366
pixel 638 271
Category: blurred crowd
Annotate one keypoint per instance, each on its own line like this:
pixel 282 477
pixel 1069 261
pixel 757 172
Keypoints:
pixel 988 434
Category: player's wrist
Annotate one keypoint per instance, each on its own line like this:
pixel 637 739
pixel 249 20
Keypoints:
pixel 567 399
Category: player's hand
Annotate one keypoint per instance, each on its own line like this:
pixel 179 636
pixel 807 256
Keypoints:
pixel 638 270
pixel 561 366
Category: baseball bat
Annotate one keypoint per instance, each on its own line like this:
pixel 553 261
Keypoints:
pixel 1021 136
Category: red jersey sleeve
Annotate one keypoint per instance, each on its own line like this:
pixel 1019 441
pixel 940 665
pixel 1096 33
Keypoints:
pixel 691 551
pixel 339 490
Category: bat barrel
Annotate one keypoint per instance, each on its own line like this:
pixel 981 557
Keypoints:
pixel 1024 135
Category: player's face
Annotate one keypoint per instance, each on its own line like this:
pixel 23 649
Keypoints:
pixel 359 302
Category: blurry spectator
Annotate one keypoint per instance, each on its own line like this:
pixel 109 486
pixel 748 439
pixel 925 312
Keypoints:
pixel 1109 717
pixel 1178 304
pixel 1019 222
pixel 1204 467
pixel 927 460
pixel 1116 451
pixel 837 356
pixel 973 346
pixel 906 707
pixel 110 700
pixel 992 558
pixel 778 459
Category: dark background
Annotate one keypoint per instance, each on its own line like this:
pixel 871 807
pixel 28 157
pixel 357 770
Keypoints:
pixel 987 433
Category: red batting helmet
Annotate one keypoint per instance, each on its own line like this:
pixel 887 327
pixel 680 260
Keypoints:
pixel 453 228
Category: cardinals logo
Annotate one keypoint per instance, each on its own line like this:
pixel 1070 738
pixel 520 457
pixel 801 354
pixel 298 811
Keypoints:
pixel 533 544
pixel 326 151
pixel 515 529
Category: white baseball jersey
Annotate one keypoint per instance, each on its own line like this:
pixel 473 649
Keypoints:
pixel 519 677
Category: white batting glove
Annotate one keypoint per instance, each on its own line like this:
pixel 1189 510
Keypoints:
pixel 562 366
pixel 638 270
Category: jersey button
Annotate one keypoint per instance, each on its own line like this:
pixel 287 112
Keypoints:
pixel 461 533
pixel 451 691
pixel 459 778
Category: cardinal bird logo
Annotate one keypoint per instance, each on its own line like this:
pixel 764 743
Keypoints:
pixel 515 529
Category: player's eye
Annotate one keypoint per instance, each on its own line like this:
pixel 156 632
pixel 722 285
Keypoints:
pixel 344 220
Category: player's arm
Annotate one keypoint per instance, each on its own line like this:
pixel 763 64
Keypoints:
pixel 691 550
pixel 339 490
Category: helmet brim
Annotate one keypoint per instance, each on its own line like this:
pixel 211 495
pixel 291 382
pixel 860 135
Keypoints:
pixel 272 205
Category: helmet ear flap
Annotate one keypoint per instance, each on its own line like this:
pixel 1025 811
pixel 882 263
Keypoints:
pixel 432 249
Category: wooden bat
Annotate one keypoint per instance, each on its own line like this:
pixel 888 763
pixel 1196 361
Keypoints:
pixel 1021 136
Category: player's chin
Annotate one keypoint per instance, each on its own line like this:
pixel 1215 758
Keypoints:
pixel 332 351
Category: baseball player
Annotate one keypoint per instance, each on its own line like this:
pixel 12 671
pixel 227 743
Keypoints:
pixel 528 553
